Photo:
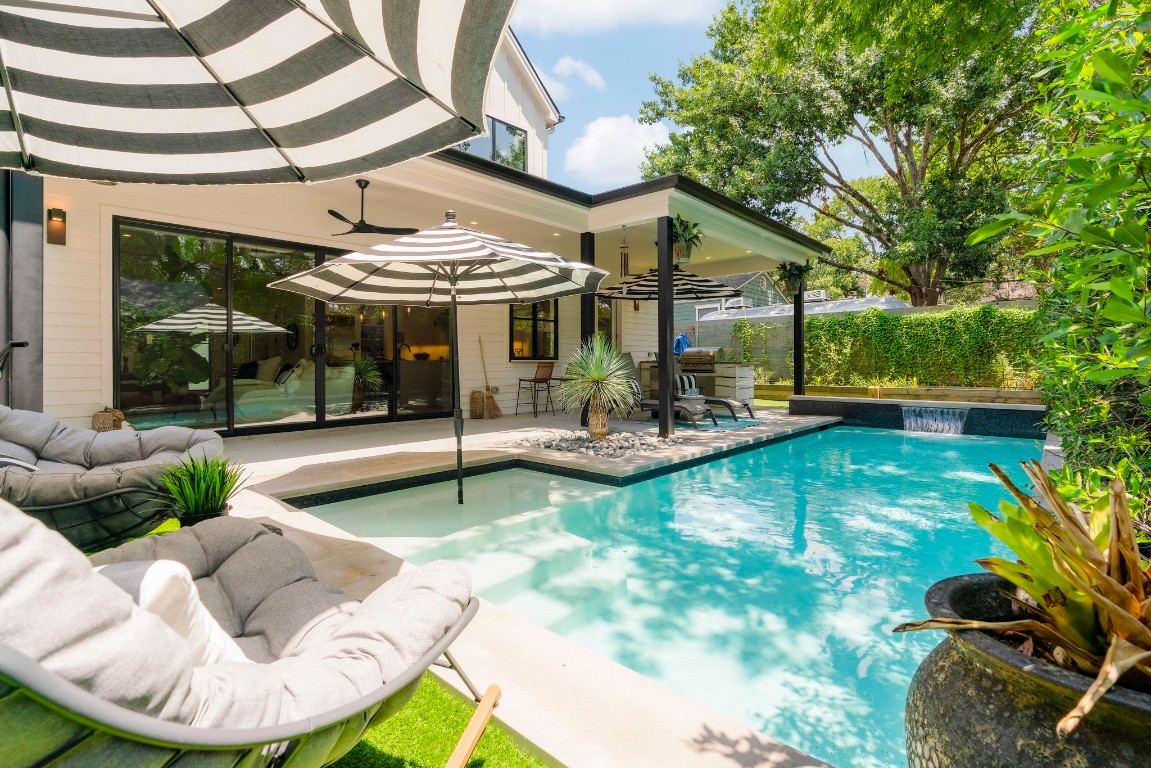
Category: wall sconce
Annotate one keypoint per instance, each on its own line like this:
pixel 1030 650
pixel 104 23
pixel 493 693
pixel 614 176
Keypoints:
pixel 57 229
pixel 623 254
pixel 635 305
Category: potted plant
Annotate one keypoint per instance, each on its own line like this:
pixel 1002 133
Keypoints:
pixel 201 486
pixel 1028 676
pixel 600 377
pixel 685 235
pixel 790 275
pixel 366 377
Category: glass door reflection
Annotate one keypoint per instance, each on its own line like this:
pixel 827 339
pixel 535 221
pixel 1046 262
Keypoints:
pixel 360 377
pixel 423 361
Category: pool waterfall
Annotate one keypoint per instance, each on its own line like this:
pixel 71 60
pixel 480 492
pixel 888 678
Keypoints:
pixel 944 421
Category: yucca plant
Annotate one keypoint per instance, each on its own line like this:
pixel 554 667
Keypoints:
pixel 601 377
pixel 1090 589
pixel 201 486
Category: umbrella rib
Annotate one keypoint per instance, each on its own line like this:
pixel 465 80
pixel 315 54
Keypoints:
pixel 507 287
pixel 365 51
pixel 227 89
pixel 25 158
pixel 375 271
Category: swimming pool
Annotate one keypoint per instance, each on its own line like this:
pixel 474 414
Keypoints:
pixel 763 585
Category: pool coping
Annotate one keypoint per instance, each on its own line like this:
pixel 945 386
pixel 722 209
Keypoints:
pixel 339 481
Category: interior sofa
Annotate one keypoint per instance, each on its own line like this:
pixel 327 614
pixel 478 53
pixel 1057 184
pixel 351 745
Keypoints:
pixel 96 488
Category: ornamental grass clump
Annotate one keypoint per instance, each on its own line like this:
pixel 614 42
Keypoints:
pixel 1090 589
pixel 200 487
pixel 599 376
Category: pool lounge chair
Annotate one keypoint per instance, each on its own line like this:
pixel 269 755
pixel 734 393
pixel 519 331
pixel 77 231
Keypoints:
pixel 90 677
pixel 689 410
pixel 685 384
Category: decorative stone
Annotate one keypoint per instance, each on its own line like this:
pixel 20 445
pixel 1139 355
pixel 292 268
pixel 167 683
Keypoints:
pixel 617 445
pixel 977 702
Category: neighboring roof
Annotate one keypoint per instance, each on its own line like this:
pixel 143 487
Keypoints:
pixel 810 308
pixel 671 181
pixel 738 280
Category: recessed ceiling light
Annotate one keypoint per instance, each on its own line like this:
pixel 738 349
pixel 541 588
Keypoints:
pixel 749 253
pixel 707 258
pixel 473 223
pixel 555 234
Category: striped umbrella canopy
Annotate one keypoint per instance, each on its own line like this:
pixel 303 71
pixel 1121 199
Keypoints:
pixel 685 287
pixel 239 91
pixel 209 318
pixel 446 265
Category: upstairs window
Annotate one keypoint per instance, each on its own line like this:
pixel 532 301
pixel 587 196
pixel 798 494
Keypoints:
pixel 505 144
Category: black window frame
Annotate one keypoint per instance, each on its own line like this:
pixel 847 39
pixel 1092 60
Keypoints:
pixel 493 125
pixel 536 321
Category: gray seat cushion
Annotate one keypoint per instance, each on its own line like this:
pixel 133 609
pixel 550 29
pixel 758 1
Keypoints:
pixel 320 648
pixel 78 464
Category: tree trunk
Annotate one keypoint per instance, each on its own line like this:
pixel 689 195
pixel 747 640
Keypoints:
pixel 357 397
pixel 597 423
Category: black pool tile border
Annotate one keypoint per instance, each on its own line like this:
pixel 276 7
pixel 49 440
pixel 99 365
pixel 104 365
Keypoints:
pixel 306 500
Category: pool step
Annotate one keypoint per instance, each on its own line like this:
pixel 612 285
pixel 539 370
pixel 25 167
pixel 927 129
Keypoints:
pixel 505 569
pixel 569 601
pixel 492 534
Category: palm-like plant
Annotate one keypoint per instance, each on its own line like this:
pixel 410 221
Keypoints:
pixel 601 377
pixel 366 377
pixel 201 486
pixel 1083 570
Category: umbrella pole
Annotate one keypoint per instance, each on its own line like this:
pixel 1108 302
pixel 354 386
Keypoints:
pixel 458 413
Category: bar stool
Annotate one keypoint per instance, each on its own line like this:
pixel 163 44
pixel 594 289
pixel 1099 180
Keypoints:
pixel 541 382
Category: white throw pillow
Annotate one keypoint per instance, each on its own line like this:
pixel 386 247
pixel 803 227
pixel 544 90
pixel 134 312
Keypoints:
pixel 165 588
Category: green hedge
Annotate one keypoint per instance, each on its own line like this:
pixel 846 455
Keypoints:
pixel 967 347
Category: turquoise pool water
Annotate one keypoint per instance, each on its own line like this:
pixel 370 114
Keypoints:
pixel 764 585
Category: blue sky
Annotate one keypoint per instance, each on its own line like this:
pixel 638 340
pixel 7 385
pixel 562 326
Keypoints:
pixel 595 56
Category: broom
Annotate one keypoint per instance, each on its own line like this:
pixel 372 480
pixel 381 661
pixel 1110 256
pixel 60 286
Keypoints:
pixel 491 407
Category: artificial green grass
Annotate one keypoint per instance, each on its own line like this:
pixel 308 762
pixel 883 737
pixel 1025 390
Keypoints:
pixel 171 524
pixel 424 733
pixel 770 403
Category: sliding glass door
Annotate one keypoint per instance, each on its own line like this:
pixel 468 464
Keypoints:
pixel 203 342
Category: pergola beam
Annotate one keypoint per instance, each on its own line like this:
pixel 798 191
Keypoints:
pixel 665 310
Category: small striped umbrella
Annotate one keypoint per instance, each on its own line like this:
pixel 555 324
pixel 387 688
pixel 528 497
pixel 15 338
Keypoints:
pixel 446 265
pixel 239 91
pixel 209 318
pixel 685 287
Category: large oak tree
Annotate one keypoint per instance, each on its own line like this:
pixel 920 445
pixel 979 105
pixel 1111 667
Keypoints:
pixel 759 115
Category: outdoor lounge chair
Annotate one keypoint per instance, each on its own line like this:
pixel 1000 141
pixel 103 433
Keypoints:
pixel 96 488
pixel 689 410
pixel 685 384
pixel 89 677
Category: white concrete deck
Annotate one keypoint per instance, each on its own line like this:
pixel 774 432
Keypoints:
pixel 571 706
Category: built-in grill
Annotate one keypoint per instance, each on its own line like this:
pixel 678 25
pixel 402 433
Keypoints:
pixel 698 360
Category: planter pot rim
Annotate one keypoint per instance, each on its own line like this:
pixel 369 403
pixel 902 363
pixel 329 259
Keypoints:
pixel 941 600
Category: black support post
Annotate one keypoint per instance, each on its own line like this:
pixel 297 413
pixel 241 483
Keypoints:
pixel 587 301
pixel 665 309
pixel 798 349
pixel 22 288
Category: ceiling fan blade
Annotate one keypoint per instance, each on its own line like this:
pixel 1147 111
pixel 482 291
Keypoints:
pixel 351 231
pixel 389 230
pixel 341 217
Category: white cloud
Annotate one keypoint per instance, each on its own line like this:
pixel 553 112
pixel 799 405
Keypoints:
pixel 610 150
pixel 567 17
pixel 569 67
pixel 556 87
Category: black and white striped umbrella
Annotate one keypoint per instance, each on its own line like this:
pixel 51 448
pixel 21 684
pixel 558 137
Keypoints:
pixel 446 265
pixel 685 287
pixel 239 91
pixel 209 318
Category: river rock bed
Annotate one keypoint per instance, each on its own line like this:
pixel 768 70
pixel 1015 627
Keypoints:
pixel 617 445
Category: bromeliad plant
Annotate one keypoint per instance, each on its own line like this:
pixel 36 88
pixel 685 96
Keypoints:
pixel 201 486
pixel 599 376
pixel 1090 587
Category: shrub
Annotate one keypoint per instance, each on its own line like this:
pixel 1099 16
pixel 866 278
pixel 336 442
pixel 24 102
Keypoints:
pixel 201 487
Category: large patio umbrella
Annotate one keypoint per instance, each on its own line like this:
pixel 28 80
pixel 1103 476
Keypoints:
pixel 685 287
pixel 209 318
pixel 239 91
pixel 446 265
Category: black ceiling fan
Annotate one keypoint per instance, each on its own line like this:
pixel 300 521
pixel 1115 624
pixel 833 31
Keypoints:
pixel 362 227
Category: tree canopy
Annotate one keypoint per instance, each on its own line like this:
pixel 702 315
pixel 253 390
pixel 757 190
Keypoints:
pixel 760 114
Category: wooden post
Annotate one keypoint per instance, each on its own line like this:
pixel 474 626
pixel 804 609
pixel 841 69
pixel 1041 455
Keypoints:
pixel 665 310
pixel 798 347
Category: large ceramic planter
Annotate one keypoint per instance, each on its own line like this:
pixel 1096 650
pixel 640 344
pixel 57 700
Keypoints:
pixel 976 702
